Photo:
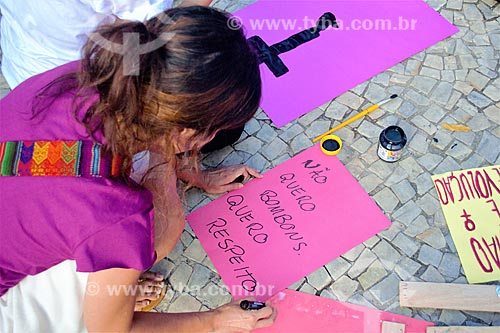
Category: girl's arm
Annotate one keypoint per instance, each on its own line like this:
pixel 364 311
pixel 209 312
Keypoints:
pixel 109 307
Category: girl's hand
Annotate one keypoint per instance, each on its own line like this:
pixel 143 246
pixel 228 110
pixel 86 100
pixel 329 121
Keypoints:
pixel 225 179
pixel 231 318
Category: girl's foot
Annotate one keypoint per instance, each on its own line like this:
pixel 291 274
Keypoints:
pixel 151 291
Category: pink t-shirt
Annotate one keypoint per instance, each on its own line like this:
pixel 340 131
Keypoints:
pixel 99 223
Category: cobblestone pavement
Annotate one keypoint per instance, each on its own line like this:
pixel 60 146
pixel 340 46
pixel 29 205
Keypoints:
pixel 454 81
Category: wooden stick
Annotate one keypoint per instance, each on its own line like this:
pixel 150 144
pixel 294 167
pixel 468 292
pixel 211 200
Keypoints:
pixel 392 327
pixel 462 329
pixel 449 296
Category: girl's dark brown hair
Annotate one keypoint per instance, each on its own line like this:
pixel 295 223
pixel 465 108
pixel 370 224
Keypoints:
pixel 198 73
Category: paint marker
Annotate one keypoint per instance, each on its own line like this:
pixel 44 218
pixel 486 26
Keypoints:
pixel 356 117
pixel 330 144
pixel 239 179
pixel 251 305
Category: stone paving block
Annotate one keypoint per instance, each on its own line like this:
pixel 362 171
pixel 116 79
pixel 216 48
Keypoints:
pixel 292 132
pixel 374 273
pixel 236 157
pixel 351 100
pixel 434 61
pixel 461 116
pixel 387 255
pixel 307 119
pixel 407 213
pixel 355 167
pixel 433 237
pixel 371 242
pixel 424 183
pixel 382 78
pixel 492 92
pixel 195 251
pixel 473 161
pixel 431 274
pixel 397 175
pixel 407 269
pixel 208 264
pixel 360 88
pixel 418 98
pixel 450 265
pixel 369 130
pixel 266 133
pixel 177 251
pixel 412 67
pixel 459 151
pixel 466 137
pixel 199 277
pixel 468 61
pixel 419 143
pixel 391 232
pixel 361 263
pixel 429 255
pixel 417 226
pixel 429 204
pixel 275 148
pixel 403 191
pixel 300 143
pixel 386 199
pixel 479 122
pixel 252 126
pixel 337 267
pixel 407 245
pixel 493 113
pixel 452 317
pixel 424 124
pixel 319 279
pixel 477 80
pixel 442 93
pixel 179 278
pixel 442 137
pixel 447 165
pixel 479 99
pixel 361 145
pixel 370 182
pixel 257 162
pixel 386 290
pixel 308 289
pixel 336 111
pixel 358 298
pixel 250 145
pixel 354 253
pixel 343 288
pixel 297 284
pixel 411 166
pixel 317 128
pixel 214 159
pixel 486 317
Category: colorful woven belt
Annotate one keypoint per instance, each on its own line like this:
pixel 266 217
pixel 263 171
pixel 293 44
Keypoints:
pixel 57 158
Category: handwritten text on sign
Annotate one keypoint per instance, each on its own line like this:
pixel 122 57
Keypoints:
pixel 301 215
pixel 471 205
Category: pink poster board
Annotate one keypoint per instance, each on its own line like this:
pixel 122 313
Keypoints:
pixel 299 312
pixel 303 214
pixel 373 36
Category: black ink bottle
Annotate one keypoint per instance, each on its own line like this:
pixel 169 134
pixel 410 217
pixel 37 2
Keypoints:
pixel 391 143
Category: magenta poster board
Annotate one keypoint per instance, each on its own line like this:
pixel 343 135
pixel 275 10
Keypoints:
pixel 373 36
pixel 299 312
pixel 303 214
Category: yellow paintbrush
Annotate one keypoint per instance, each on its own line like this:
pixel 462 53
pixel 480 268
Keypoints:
pixel 356 117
